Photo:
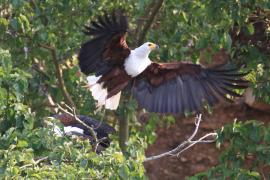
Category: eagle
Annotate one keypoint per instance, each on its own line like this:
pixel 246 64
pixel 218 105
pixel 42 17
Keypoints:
pixel 73 127
pixel 178 87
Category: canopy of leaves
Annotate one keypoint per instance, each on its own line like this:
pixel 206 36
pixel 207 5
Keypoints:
pixel 247 154
pixel 39 41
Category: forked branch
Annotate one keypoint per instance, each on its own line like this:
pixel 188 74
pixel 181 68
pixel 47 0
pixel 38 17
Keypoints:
pixel 73 114
pixel 188 143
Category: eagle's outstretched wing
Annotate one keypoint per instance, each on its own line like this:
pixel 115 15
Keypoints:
pixel 106 52
pixel 108 48
pixel 184 87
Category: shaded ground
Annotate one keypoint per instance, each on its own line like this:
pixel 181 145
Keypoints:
pixel 202 156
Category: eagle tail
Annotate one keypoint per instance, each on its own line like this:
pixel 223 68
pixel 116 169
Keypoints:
pixel 100 94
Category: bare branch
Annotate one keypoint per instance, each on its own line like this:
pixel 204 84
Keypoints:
pixel 73 114
pixel 35 162
pixel 188 143
pixel 59 75
pixel 198 120
pixel 151 11
pixel 200 140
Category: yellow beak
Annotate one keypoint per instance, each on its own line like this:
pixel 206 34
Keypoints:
pixel 154 47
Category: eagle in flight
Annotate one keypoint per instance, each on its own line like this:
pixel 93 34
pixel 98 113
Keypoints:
pixel 176 87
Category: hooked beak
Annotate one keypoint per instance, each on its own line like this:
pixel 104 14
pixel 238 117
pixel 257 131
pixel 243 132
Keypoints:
pixel 152 46
pixel 155 47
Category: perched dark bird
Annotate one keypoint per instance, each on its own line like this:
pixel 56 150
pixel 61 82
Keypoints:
pixel 73 127
pixel 158 87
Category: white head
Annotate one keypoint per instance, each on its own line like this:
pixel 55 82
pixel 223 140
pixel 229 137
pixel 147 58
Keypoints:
pixel 145 49
pixel 138 60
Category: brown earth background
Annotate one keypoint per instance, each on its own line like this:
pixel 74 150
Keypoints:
pixel 200 157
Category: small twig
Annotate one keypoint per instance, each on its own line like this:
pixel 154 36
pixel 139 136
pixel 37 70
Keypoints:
pixel 73 114
pixel 198 120
pixel 68 107
pixel 188 143
pixel 199 141
pixel 101 139
pixel 35 162
pixel 37 69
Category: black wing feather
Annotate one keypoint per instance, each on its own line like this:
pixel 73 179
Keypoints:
pixel 189 92
pixel 102 31
pixel 102 129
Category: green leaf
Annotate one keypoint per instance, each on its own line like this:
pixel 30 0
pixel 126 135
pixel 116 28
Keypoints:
pixel 16 3
pixel 250 29
pixel 22 144
pixel 3 22
pixel 254 174
pixel 124 172
pixel 24 23
pixel 5 60
pixel 184 16
pixel 14 24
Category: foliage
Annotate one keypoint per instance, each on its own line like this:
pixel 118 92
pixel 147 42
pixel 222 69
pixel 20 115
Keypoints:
pixel 196 30
pixel 247 154
pixel 22 145
pixel 13 86
pixel 64 158
pixel 39 43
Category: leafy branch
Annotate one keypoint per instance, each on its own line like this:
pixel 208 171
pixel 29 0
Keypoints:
pixel 59 74
pixel 188 143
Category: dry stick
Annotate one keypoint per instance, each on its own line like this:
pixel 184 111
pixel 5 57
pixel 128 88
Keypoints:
pixel 186 144
pixel 59 75
pixel 200 140
pixel 73 114
pixel 72 109
pixel 35 162
pixel 152 14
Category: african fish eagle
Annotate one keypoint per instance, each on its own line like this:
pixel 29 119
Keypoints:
pixel 73 127
pixel 158 87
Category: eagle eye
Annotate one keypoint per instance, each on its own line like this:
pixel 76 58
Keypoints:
pixel 149 44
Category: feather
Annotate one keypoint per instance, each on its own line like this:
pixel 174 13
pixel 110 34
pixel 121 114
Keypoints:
pixel 186 88
pixel 176 87
pixel 72 127
pixel 107 33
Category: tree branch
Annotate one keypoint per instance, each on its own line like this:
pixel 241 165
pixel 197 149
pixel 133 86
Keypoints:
pixel 59 75
pixel 188 143
pixel 92 132
pixel 123 133
pixel 155 5
pixel 35 162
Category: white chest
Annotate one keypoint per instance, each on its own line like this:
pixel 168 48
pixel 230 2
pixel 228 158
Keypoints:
pixel 135 65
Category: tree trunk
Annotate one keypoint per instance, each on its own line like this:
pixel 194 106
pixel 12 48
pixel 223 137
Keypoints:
pixel 123 133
